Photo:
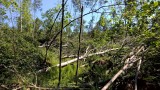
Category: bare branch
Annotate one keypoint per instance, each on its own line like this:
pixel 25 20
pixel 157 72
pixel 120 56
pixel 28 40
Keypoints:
pixel 55 36
pixel 56 17
pixel 4 86
pixel 73 56
pixel 39 88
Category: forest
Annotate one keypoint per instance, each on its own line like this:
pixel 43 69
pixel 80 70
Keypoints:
pixel 80 45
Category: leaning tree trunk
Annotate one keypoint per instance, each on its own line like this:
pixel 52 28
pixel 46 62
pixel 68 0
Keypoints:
pixel 129 63
pixel 138 70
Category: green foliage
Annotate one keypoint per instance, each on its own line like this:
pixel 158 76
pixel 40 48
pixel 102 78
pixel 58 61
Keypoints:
pixel 19 57
pixel 36 5
pixel 24 63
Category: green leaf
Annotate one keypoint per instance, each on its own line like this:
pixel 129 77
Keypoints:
pixel 155 4
pixel 146 6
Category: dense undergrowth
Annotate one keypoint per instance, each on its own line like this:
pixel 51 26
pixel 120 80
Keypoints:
pixel 24 63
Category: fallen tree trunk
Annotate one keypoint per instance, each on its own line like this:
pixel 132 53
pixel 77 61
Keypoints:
pixel 84 56
pixel 138 70
pixel 115 77
pixel 69 56
pixel 81 57
pixel 129 63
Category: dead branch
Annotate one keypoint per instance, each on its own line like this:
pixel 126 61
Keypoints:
pixel 74 56
pixel 4 87
pixel 92 11
pixel 39 88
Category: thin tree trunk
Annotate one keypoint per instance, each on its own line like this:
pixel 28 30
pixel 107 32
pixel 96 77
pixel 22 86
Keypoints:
pixel 79 43
pixel 55 36
pixel 21 15
pixel 34 21
pixel 60 56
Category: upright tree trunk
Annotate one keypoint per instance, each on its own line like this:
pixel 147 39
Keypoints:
pixel 21 15
pixel 79 43
pixel 125 22
pixel 34 20
pixel 60 56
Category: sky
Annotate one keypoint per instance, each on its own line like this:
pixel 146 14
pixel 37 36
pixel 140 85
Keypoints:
pixel 48 4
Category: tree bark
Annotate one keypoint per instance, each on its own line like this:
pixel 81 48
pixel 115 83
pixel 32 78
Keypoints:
pixel 75 59
pixel 129 63
pixel 79 43
pixel 84 56
pixel 60 49
pixel 21 15
pixel 138 70
pixel 115 77
pixel 55 36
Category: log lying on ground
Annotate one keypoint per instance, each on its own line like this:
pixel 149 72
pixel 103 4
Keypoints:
pixel 69 56
pixel 84 56
pixel 130 61
pixel 81 57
